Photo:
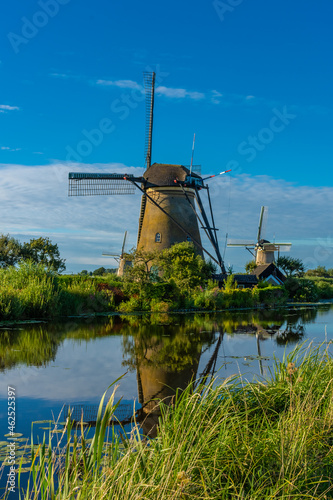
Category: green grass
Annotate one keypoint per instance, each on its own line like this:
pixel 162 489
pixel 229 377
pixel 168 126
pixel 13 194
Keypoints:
pixel 30 291
pixel 237 440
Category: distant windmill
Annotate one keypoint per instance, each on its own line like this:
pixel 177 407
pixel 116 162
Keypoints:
pixel 261 249
pixel 120 258
pixel 168 214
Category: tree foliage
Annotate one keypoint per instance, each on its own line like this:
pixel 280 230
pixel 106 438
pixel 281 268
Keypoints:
pixel 43 251
pixel 99 272
pixel 320 272
pixel 182 265
pixel 291 266
pixel 250 266
pixel 142 270
pixel 10 251
pixel 179 264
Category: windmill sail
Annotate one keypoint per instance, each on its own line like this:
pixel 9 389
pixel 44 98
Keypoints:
pixel 262 223
pixel 81 184
pixel 149 81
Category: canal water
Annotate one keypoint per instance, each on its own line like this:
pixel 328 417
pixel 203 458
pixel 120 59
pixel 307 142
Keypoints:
pixel 73 362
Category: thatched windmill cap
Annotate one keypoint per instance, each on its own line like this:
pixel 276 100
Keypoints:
pixel 163 174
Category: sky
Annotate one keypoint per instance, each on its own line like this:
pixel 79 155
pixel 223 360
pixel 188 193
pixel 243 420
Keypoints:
pixel 252 80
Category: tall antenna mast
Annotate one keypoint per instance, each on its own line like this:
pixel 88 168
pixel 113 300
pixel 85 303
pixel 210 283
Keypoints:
pixel 192 156
pixel 149 82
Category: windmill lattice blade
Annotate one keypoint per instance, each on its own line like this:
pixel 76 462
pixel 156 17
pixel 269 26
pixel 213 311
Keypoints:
pixel 261 222
pixel 241 243
pixel 285 247
pixel 124 242
pixel 149 82
pixel 98 184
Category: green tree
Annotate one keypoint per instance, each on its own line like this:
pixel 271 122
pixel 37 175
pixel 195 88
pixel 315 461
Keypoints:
pixel 250 266
pixel 99 272
pixel 181 264
pixel 320 272
pixel 143 269
pixel 10 251
pixel 291 266
pixel 43 251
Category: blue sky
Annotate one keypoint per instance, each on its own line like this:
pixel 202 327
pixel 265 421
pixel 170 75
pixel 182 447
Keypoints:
pixel 253 80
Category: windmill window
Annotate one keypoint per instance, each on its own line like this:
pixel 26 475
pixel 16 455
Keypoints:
pixel 188 238
pixel 158 238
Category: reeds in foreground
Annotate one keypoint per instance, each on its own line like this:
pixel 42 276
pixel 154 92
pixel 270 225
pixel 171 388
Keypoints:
pixel 238 440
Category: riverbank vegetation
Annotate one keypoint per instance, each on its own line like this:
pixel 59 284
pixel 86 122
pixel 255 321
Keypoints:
pixel 235 440
pixel 174 279
pixel 31 291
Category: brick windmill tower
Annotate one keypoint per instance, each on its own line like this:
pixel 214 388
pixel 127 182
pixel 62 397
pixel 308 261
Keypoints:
pixel 168 213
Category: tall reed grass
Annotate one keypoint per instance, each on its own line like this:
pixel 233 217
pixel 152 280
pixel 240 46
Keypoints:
pixel 262 440
pixel 30 291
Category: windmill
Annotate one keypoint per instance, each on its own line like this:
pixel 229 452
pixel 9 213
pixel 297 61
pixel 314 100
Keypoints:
pixel 168 214
pixel 261 249
pixel 120 258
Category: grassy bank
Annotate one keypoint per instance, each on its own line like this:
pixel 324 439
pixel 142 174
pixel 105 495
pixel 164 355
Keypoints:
pixel 30 291
pixel 237 440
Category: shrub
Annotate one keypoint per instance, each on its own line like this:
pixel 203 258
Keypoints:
pixel 302 290
pixel 324 289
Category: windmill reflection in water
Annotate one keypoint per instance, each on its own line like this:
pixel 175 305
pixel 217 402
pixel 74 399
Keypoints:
pixel 164 367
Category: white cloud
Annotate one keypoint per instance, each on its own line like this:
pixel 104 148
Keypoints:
pixel 7 148
pixel 172 93
pixel 178 93
pixel 6 107
pixel 196 95
pixel 215 98
pixel 67 76
pixel 124 84
pixel 35 202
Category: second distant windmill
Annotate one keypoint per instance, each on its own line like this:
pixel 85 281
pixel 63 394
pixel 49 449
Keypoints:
pixel 261 249
pixel 120 257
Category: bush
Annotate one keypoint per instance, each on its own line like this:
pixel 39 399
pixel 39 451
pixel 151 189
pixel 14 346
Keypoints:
pixel 160 306
pixel 324 289
pixel 272 295
pixel 301 290
pixel 135 303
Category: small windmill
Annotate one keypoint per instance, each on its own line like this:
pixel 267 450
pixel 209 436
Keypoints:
pixel 167 214
pixel 261 249
pixel 120 258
